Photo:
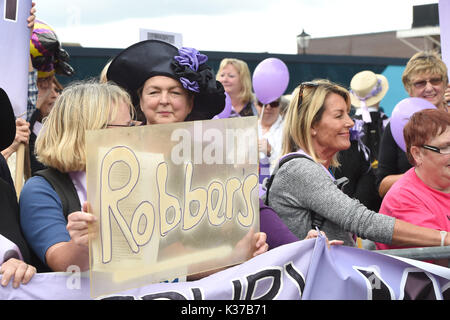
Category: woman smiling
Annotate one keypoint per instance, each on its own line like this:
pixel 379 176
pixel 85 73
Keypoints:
pixel 304 191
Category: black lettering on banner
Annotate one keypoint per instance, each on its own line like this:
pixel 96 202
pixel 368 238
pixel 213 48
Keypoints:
pixel 297 276
pixel 11 10
pixel 169 295
pixel 119 298
pixel 275 286
pixel 446 291
pixel 377 289
pixel 418 285
pixel 197 293
pixel 237 289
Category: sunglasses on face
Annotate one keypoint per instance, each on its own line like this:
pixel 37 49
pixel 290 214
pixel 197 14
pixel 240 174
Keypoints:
pixel 422 83
pixel 445 150
pixel 274 104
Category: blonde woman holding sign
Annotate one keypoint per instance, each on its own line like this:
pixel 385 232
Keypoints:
pixel 55 226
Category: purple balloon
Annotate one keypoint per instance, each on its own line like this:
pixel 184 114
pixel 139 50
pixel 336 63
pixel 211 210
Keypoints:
pixel 401 115
pixel 270 79
pixel 227 110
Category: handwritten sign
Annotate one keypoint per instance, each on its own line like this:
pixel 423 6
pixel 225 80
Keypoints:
pixel 171 200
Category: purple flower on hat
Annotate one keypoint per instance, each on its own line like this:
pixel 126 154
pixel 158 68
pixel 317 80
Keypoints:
pixel 190 85
pixel 357 132
pixel 190 57
pixel 188 62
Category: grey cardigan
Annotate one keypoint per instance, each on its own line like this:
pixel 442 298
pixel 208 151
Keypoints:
pixel 302 184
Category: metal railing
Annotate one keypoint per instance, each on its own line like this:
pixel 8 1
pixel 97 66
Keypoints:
pixel 426 253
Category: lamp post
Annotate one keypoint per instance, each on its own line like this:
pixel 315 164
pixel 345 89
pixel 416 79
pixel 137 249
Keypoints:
pixel 303 40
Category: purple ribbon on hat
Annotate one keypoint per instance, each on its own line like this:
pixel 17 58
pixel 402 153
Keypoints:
pixel 365 111
pixel 356 134
pixel 191 58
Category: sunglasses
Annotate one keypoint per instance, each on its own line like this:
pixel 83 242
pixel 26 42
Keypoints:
pixel 274 104
pixel 303 85
pixel 421 84
pixel 131 124
pixel 445 150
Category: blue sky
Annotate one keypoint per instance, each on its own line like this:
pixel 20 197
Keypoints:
pixel 231 25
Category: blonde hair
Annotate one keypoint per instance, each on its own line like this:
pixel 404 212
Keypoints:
pixel 424 62
pixel 300 120
pixel 241 66
pixel 81 106
pixel 103 74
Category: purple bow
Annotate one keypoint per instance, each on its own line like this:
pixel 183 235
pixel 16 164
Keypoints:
pixel 190 57
pixel 356 134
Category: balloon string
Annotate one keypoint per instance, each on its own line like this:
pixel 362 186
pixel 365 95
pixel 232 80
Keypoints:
pixel 262 112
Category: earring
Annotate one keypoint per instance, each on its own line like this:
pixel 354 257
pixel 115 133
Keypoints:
pixel 314 133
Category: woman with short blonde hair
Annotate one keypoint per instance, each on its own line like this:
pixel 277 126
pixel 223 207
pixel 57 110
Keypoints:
pixel 53 204
pixel 234 75
pixel 427 62
pixel 84 106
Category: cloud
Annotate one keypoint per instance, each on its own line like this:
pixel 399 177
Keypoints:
pixel 62 13
pixel 218 25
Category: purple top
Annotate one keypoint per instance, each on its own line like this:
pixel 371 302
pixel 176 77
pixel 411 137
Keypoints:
pixel 270 223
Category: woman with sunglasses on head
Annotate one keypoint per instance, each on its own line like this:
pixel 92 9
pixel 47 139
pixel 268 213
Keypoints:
pixel 422 195
pixel 425 76
pixel 303 190
pixel 270 131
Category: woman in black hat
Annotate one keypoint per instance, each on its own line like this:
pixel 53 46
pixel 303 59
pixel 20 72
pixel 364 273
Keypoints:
pixel 167 84
pixel 12 267
pixel 171 85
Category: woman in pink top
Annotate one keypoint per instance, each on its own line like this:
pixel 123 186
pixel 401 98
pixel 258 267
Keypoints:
pixel 422 195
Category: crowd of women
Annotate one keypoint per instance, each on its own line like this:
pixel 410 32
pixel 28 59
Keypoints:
pixel 392 197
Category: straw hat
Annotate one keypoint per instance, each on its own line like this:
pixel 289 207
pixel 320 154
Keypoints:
pixel 367 88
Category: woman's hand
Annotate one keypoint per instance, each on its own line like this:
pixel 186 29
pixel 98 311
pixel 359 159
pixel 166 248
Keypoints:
pixel 265 147
pixel 447 94
pixel 19 271
pixel 22 136
pixel 78 225
pixel 260 245
pixel 251 245
pixel 31 19
pixel 314 234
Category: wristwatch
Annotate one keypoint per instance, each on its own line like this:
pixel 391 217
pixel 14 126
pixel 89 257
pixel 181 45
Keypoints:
pixel 443 235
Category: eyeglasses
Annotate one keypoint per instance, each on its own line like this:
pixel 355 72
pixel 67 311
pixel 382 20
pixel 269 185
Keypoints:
pixel 421 84
pixel 131 124
pixel 300 92
pixel 445 150
pixel 274 104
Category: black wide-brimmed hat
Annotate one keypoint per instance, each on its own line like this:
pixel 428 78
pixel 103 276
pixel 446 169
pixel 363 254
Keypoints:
pixel 7 121
pixel 143 60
